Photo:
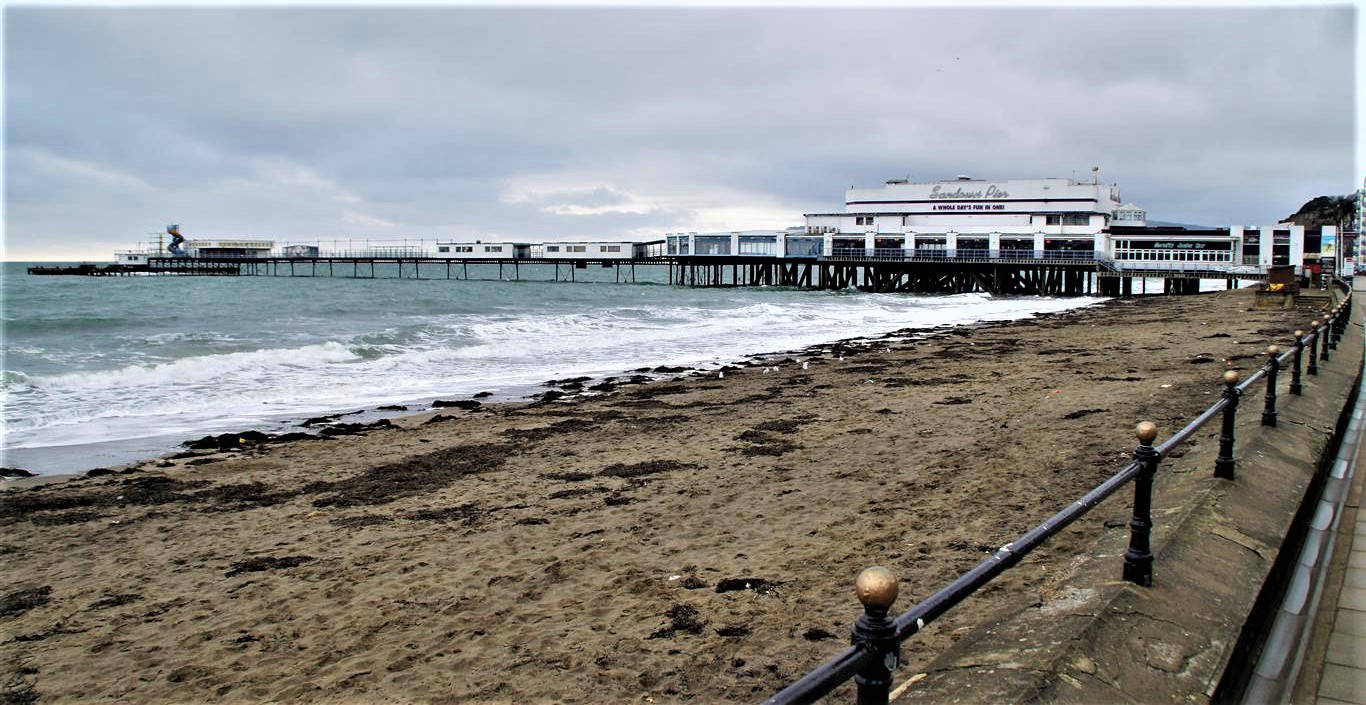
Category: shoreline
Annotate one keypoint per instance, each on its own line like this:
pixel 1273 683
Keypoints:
pixel 693 539
pixel 661 372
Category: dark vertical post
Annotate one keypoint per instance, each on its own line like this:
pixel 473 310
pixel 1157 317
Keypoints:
pixel 1295 387
pixel 1323 341
pixel 1272 367
pixel 1313 349
pixel 1138 560
pixel 1333 328
pixel 876 588
pixel 1223 465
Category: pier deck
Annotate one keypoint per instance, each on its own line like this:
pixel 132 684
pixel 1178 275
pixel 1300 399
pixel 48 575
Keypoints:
pixel 1057 274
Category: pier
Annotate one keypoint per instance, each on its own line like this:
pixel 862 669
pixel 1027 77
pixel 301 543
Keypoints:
pixel 1020 237
pixel 1042 273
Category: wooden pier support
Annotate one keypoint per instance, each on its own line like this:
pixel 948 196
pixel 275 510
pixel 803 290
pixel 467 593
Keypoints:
pixel 922 275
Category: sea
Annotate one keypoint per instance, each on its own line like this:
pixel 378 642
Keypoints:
pixel 100 372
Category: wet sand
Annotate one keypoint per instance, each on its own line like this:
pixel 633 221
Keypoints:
pixel 692 539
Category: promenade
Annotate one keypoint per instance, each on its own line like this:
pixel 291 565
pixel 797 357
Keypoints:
pixel 1343 675
pixel 1337 672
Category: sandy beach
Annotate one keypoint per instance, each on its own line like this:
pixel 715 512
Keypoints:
pixel 692 539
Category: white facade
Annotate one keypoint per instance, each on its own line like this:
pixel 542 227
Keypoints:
pixel 588 250
pixel 482 250
pixel 1238 249
pixel 966 218
pixel 131 257
pixel 1017 207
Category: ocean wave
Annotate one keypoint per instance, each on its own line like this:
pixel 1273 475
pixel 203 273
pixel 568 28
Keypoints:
pixel 206 368
pixel 387 353
pixel 13 381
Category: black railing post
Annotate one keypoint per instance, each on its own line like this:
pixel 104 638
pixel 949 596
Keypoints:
pixel 1340 325
pixel 1323 345
pixel 1138 560
pixel 876 588
pixel 1272 366
pixel 1333 328
pixel 1223 465
pixel 1314 349
pixel 1295 387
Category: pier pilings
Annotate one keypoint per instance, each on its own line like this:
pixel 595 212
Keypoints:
pixel 1080 276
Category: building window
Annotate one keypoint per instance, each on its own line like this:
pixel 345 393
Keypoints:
pixel 552 248
pixel 611 248
pixel 1068 219
pixel 493 248
pixel 576 248
pixel 443 248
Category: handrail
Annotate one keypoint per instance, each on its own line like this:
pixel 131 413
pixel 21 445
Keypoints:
pixel 1189 430
pixel 876 648
pixel 915 619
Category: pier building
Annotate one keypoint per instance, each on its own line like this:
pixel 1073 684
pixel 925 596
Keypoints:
pixel 965 219
pixel 1050 215
pixel 577 250
pixel 482 250
pixel 229 248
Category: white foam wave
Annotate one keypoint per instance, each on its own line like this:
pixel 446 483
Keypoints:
pixel 192 370
pixel 452 355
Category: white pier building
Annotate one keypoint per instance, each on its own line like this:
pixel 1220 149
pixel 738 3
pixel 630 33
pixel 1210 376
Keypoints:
pixel 970 219
pixel 1046 215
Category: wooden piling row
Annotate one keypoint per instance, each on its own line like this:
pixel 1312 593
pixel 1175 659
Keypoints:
pixel 1015 278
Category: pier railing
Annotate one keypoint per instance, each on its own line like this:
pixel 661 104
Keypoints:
pixel 1187 266
pixel 877 637
pixel 939 254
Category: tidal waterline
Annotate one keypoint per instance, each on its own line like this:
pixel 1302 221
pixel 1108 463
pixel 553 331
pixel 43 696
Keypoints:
pixel 101 371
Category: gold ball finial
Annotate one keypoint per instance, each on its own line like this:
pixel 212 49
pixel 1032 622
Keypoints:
pixel 876 587
pixel 1146 431
pixel 1273 350
pixel 1314 323
pixel 1231 378
pixel 1299 333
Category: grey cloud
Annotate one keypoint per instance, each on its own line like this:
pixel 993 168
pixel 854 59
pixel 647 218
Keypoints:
pixel 306 122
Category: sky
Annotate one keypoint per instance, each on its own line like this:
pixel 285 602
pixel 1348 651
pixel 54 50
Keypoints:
pixel 304 123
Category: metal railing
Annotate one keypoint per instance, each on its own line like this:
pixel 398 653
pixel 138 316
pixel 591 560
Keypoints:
pixel 877 637
pixel 1185 266
pixel 932 254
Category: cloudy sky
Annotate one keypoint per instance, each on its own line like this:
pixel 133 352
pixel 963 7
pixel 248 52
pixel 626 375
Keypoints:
pixel 534 123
